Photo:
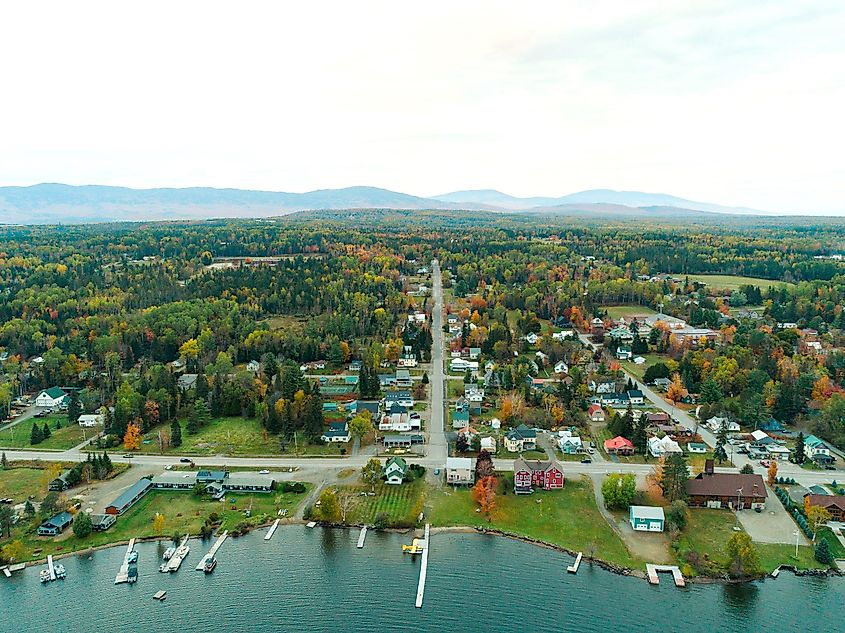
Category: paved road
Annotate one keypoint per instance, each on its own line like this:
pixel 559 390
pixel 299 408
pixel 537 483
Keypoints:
pixel 438 448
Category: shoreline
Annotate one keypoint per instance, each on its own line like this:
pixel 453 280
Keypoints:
pixel 466 529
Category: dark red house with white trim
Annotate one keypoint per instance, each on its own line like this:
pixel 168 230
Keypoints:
pixel 535 474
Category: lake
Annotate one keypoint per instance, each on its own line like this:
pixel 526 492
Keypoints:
pixel 317 580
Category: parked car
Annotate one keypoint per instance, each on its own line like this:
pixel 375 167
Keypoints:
pixel 185 460
pixel 765 463
pixel 128 456
pixel 263 472
pixel 586 460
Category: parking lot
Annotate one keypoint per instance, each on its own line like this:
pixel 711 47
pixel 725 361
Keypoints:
pixel 772 525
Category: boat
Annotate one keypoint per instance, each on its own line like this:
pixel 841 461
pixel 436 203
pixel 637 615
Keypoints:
pixel 164 568
pixel 60 571
pixel 416 547
pixel 132 574
pixel 168 553
pixel 133 557
pixel 44 575
pixel 182 551
pixel 210 564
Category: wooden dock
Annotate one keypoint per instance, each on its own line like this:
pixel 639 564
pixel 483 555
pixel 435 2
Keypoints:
pixel 159 595
pixel 50 567
pixel 176 560
pixel 6 572
pixel 311 524
pixel 272 530
pixel 423 569
pixel 652 571
pixel 573 568
pixel 213 551
pixel 361 537
pixel 123 574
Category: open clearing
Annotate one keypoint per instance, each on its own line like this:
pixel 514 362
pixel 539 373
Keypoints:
pixel 733 282
pixel 60 439
pixel 617 312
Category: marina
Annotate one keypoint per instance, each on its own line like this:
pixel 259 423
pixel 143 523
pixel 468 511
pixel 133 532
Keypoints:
pixel 205 560
pixel 123 574
pixel 361 537
pixel 272 530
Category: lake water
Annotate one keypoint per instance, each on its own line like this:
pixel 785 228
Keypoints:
pixel 317 580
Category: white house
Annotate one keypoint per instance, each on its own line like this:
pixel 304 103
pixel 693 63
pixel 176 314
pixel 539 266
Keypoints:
pixel 561 367
pixel 460 471
pixel 461 364
pixel 337 432
pixel 397 422
pixel 89 420
pixel 570 444
pixel 473 394
pixel 531 338
pixel 776 451
pixel 488 444
pixel 253 366
pixel 394 471
pixel 407 362
pixel 659 447
pixel 541 357
pixel 716 423
pixel 495 423
pixel 560 336
pixel 635 397
pixel 50 398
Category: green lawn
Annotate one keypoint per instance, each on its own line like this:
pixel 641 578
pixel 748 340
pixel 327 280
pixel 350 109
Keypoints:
pixel 617 312
pixel 61 439
pixel 183 511
pixel 639 370
pixel 733 282
pixel 19 483
pixel 708 532
pixel 568 518
pixel 402 503
pixel 234 436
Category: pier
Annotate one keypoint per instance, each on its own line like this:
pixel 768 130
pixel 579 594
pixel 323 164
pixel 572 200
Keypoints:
pixel 181 553
pixel 361 537
pixel 50 567
pixel 573 568
pixel 652 571
pixel 423 568
pixel 123 574
pixel 272 530
pixel 212 551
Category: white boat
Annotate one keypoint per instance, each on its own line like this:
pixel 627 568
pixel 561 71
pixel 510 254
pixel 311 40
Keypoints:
pixel 183 551
pixel 168 553
pixel 164 568
pixel 60 571
pixel 44 575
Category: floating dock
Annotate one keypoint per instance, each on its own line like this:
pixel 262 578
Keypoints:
pixel 123 574
pixel 652 571
pixel 272 530
pixel 159 595
pixel 50 567
pixel 212 551
pixel 181 553
pixel 6 572
pixel 311 524
pixel 361 537
pixel 573 568
pixel 423 569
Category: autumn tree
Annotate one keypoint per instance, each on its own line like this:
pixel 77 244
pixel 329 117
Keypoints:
pixel 132 438
pixel 744 560
pixel 484 494
pixel 676 390
pixel 619 490
pixel 484 465
pixel 158 523
pixel 817 516
pixel 329 505
pixel 772 472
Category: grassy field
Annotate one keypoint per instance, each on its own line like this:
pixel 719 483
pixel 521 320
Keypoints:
pixel 183 511
pixel 19 483
pixel 567 517
pixel 233 436
pixel 639 370
pixel 402 504
pixel 708 532
pixel 733 282
pixel 61 439
pixel 617 312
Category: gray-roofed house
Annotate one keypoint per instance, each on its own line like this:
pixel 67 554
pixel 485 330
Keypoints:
pixel 186 382
pixel 55 525
pixel 129 496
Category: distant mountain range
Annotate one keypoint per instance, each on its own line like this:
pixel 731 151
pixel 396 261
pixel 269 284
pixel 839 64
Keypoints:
pixel 67 204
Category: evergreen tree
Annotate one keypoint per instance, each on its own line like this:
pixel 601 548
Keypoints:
pixel 74 407
pixel 35 436
pixel 273 424
pixel 721 439
pixel 675 476
pixel 823 553
pixel 710 392
pixel 45 432
pixel 313 415
pixel 108 421
pixel 4 463
pixel 82 526
pixel 175 434
pixel 425 378
pixel 800 453
pixel 106 463
pixel 202 387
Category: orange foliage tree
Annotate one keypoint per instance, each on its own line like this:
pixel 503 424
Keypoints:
pixel 132 439
pixel 484 494
pixel 676 390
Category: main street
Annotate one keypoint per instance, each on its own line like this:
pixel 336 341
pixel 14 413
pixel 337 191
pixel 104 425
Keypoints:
pixel 437 446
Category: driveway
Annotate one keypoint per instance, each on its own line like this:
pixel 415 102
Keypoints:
pixel 773 525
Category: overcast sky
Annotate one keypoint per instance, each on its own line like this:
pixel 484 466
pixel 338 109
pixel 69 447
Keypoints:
pixel 739 103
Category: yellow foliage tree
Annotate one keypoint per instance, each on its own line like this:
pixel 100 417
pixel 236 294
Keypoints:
pixel 676 390
pixel 773 472
pixel 50 473
pixel 158 523
pixel 132 439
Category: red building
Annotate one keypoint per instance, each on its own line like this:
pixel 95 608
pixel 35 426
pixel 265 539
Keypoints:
pixel 530 475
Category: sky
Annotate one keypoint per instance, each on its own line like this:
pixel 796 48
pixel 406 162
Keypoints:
pixel 738 103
